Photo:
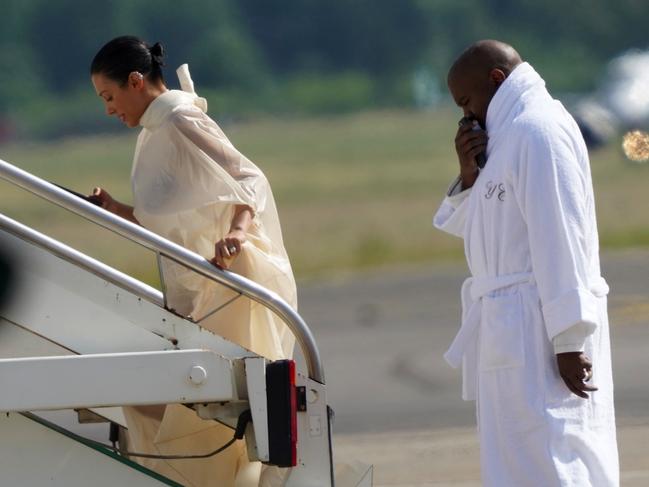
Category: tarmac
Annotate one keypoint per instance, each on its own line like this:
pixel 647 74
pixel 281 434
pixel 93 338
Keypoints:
pixel 382 335
pixel 440 457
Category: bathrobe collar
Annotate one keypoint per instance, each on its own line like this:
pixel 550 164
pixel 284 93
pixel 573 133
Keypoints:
pixel 522 81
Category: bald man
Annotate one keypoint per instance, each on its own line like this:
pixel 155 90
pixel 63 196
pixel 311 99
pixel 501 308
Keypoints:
pixel 534 342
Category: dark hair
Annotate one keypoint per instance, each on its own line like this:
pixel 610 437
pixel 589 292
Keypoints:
pixel 123 55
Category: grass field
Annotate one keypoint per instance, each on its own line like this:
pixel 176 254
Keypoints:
pixel 353 191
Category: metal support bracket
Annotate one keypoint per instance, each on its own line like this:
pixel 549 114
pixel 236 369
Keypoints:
pixel 124 379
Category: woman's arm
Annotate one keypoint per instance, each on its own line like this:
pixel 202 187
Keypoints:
pixel 108 203
pixel 229 246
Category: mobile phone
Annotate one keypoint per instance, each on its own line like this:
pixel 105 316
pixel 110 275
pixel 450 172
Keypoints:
pixel 89 199
pixel 480 159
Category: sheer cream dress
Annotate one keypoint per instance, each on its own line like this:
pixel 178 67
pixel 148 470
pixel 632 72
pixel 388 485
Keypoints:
pixel 187 178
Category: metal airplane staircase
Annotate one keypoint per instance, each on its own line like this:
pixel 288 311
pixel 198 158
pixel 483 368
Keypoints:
pixel 80 335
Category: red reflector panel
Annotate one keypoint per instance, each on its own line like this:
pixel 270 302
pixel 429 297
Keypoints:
pixel 282 413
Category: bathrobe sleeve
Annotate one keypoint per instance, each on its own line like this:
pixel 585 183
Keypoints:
pixel 554 192
pixel 572 340
pixel 451 215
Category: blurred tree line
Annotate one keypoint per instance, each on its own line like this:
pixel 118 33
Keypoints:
pixel 292 56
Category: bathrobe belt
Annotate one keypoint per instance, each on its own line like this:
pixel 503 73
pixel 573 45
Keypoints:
pixel 463 350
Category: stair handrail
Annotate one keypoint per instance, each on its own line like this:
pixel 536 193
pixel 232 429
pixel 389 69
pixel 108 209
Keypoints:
pixel 177 253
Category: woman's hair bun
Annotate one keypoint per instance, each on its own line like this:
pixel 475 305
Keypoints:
pixel 120 57
pixel 157 53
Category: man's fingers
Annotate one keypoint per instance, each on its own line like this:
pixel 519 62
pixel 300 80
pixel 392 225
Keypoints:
pixel 574 389
pixel 586 363
pixel 465 139
pixel 579 387
pixel 576 369
pixel 463 129
pixel 588 387
pixel 470 152
pixel 472 144
pixel 482 142
pixel 586 373
pixel 474 151
pixel 583 386
pixel 581 381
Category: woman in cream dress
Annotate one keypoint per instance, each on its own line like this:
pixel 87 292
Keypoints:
pixel 193 187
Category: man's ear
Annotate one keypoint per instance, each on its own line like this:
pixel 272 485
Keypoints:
pixel 136 80
pixel 497 76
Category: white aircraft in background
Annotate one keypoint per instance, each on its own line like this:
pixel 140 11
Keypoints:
pixel 621 102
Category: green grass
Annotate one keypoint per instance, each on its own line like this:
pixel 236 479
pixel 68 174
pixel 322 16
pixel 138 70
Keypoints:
pixel 353 191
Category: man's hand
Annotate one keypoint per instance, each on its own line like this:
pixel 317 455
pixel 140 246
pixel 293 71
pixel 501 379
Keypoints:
pixel 228 248
pixel 468 144
pixel 576 370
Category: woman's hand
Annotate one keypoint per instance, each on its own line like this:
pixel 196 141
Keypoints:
pixel 228 248
pixel 105 200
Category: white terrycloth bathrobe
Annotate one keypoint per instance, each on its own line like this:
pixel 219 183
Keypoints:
pixel 187 179
pixel 531 243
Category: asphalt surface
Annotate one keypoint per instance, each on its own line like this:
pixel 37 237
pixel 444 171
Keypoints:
pixel 397 403
pixel 382 336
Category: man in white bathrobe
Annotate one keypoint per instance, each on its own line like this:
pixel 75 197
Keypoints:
pixel 534 342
